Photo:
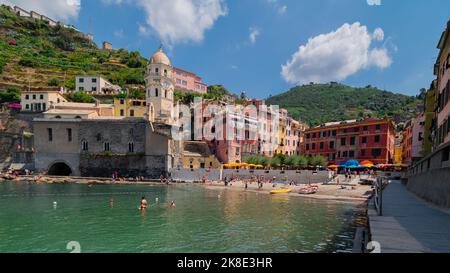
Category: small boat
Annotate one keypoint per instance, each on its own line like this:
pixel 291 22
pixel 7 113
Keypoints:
pixel 308 190
pixel 281 191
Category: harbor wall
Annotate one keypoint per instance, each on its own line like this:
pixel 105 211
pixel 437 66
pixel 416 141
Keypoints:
pixel 278 176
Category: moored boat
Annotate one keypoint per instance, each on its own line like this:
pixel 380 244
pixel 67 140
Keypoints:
pixel 281 191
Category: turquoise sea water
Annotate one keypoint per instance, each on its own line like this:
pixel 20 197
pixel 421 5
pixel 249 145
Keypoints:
pixel 202 221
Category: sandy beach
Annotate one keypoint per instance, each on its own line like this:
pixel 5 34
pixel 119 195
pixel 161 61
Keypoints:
pixel 354 193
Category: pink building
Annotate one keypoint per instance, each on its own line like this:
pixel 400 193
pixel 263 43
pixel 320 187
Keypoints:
pixel 186 80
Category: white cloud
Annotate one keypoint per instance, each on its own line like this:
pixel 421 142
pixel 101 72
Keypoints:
pixel 282 9
pixel 378 34
pixel 180 21
pixel 335 56
pixel 254 33
pixel 55 9
pixel 374 2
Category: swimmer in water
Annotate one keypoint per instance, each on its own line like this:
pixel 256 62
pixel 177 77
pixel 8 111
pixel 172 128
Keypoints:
pixel 143 203
pixel 172 204
pixel 157 199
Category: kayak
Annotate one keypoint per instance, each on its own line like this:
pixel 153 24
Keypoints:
pixel 280 191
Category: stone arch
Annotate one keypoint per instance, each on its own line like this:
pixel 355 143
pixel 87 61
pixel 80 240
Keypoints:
pixel 60 168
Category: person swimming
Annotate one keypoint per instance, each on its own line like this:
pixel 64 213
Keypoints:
pixel 173 204
pixel 143 203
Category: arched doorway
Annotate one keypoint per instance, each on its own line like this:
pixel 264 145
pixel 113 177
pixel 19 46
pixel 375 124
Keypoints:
pixel 60 169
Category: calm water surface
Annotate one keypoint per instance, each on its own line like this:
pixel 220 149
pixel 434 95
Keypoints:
pixel 202 221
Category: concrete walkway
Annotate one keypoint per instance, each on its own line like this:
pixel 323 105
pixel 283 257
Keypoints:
pixel 408 224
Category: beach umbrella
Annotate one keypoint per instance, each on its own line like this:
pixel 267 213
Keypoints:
pixel 333 167
pixel 351 163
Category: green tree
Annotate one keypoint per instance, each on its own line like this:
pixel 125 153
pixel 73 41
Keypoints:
pixel 263 160
pixel 252 160
pixel 53 82
pixel 318 160
pixel 11 94
pixel 301 162
pixel 275 162
pixel 290 161
pixel 82 97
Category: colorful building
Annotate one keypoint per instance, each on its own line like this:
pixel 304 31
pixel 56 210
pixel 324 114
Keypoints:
pixel 130 107
pixel 185 80
pixel 368 139
pixel 442 71
pixel 430 119
pixel 413 139
pixel 197 155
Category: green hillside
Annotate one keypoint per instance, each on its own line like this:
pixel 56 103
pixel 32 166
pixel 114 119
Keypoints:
pixel 32 53
pixel 320 103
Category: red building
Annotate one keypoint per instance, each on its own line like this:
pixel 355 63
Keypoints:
pixel 369 139
pixel 186 80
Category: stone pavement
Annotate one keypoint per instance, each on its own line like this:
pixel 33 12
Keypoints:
pixel 409 224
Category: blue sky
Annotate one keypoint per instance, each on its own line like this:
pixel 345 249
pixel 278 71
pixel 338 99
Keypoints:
pixel 243 44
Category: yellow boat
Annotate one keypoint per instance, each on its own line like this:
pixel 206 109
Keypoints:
pixel 280 191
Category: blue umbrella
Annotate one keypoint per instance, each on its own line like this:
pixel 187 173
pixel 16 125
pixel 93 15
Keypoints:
pixel 352 163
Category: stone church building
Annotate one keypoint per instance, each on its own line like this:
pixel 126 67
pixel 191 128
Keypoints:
pixel 77 143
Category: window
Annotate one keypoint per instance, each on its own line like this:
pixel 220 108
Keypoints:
pixel 378 127
pixel 345 130
pixel 307 147
pixel 351 154
pixel 165 93
pixel 364 140
pixel 156 92
pixel 27 106
pixel 94 80
pixel 156 70
pixel 331 144
pixel 131 147
pixel 122 101
pixel 94 89
pixel 34 97
pixel 178 81
pixel 41 97
pixel 352 141
pixel 27 97
pixel 345 154
pixel 343 141
pixel 314 135
pixel 363 152
pixel 81 88
pixel 314 146
pixel 376 152
pixel 184 83
pixel 308 136
pixel 377 139
pixel 356 129
pixel 365 128
pixel 81 80
pixel 237 151
pixel 131 113
pixel 50 134
pixel 84 145
pixel 69 134
pixel 321 146
pixel 334 132
pixel 106 147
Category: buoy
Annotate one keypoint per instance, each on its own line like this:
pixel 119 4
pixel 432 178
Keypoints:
pixel 55 204
pixel 156 199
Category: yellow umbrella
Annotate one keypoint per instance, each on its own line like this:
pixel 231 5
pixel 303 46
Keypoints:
pixel 333 167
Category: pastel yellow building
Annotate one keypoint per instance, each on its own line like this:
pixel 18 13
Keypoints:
pixel 398 155
pixel 130 107
pixel 197 155
pixel 282 132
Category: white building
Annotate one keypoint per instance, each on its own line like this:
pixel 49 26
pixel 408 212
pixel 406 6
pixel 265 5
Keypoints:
pixel 95 85
pixel 40 101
